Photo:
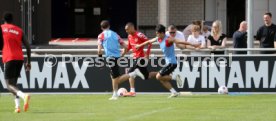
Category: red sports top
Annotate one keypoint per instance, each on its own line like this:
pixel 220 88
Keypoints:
pixel 136 39
pixel 12 49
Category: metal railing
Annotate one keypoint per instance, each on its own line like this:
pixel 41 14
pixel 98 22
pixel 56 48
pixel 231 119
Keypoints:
pixel 226 50
pixel 155 52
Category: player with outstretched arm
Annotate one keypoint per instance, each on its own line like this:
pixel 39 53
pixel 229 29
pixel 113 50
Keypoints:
pixel 167 46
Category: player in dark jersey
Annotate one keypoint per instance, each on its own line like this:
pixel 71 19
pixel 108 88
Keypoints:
pixel 139 56
pixel 167 46
pixel 12 57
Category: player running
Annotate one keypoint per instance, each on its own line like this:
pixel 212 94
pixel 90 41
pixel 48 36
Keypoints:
pixel 110 42
pixel 167 46
pixel 135 38
pixel 13 59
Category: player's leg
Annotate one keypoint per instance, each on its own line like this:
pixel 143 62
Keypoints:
pixel 115 89
pixel 17 104
pixel 11 86
pixel 13 89
pixel 164 77
pixel 152 75
pixel 126 77
pixel 12 72
pixel 115 74
pixel 132 84
pixel 117 79
pixel 19 93
pixel 132 80
pixel 132 92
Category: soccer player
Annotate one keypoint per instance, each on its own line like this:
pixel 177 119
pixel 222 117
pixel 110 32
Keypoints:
pixel 13 59
pixel 167 47
pixel 135 38
pixel 110 42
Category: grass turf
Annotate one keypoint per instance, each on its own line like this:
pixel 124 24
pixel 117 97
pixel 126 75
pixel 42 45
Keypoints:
pixel 142 108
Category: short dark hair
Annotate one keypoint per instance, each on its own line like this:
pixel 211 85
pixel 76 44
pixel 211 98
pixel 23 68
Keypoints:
pixel 8 17
pixel 160 28
pixel 130 24
pixel 268 13
pixel 105 24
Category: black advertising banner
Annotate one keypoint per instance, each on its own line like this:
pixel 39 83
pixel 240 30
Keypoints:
pixel 69 73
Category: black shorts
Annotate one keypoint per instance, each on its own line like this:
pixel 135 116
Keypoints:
pixel 141 65
pixel 12 69
pixel 168 69
pixel 113 67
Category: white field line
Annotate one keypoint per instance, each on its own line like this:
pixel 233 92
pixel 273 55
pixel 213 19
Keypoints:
pixel 143 93
pixel 138 116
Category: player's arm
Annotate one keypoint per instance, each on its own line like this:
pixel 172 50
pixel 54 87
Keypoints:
pixel 144 38
pixel 28 48
pixel 123 44
pixel 124 49
pixel 100 50
pixel 127 49
pixel 100 46
pixel 177 41
pixel 182 37
pixel 189 46
pixel 148 50
pixel 147 42
pixel 1 40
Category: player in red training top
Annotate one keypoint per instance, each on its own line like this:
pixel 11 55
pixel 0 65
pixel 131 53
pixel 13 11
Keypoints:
pixel 136 38
pixel 12 57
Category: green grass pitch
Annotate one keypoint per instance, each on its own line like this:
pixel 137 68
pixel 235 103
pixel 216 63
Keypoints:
pixel 154 107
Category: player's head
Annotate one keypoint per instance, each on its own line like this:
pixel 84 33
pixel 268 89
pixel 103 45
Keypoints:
pixel 105 24
pixel 172 30
pixel 8 17
pixel 268 19
pixel 160 31
pixel 130 28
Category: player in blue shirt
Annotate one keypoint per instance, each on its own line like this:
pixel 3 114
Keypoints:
pixel 110 42
pixel 167 47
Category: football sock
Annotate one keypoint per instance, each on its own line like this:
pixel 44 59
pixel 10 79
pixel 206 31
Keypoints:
pixel 20 94
pixel 17 102
pixel 172 90
pixel 132 89
pixel 114 94
pixel 173 77
pixel 132 74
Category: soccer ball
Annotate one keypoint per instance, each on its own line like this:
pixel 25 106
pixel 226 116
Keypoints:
pixel 222 90
pixel 121 91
